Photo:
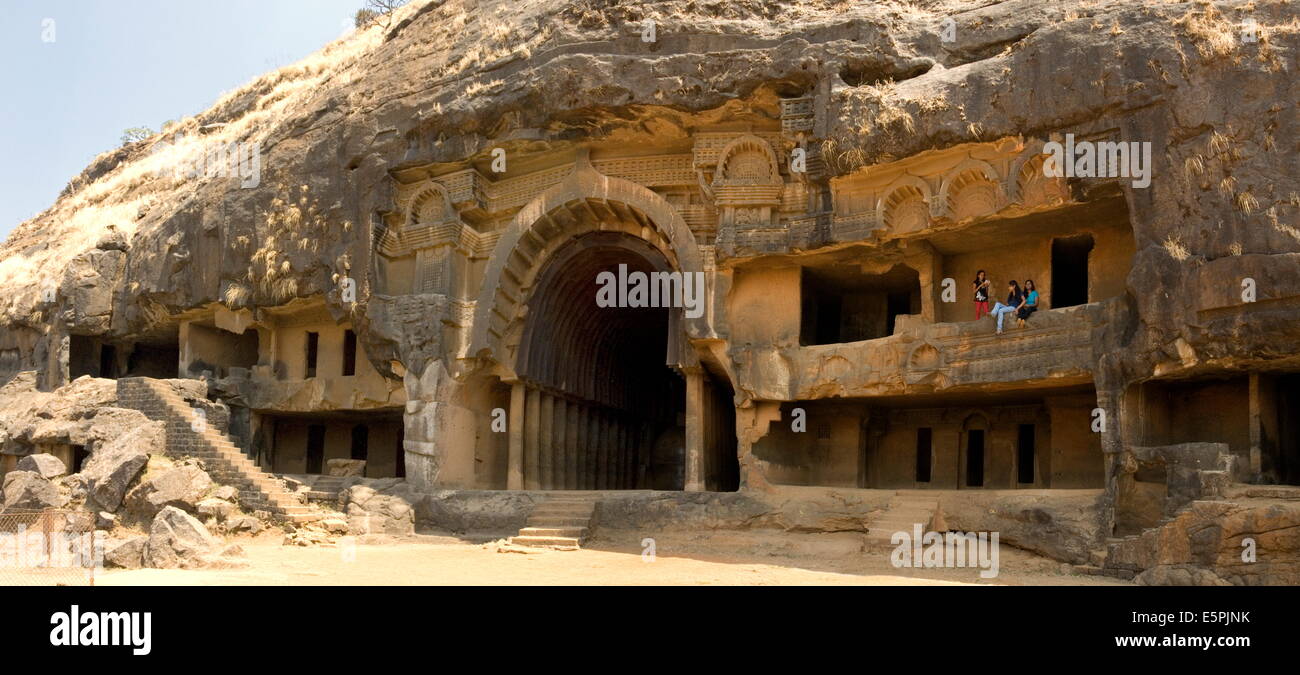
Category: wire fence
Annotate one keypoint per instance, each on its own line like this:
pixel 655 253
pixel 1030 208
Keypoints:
pixel 48 548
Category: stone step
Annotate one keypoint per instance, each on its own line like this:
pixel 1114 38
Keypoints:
pixel 559 543
pixel 556 521
pixel 575 532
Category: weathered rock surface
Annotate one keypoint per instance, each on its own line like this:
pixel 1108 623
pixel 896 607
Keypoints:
pixel 178 540
pixel 243 525
pixel 182 486
pixel 373 512
pixel 48 466
pixel 217 509
pixel 27 490
pixel 1251 542
pixel 1065 528
pixel 127 553
pixel 111 469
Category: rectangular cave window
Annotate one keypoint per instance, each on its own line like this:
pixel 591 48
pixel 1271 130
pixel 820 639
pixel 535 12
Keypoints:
pixel 316 449
pixel 975 458
pixel 1070 270
pixel 313 350
pixel 924 447
pixel 349 353
pixel 841 304
pixel 1025 454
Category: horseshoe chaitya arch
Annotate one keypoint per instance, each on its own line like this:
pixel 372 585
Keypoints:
pixel 569 344
pixel 585 201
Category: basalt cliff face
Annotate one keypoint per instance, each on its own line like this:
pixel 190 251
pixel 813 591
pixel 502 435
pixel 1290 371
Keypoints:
pixel 418 181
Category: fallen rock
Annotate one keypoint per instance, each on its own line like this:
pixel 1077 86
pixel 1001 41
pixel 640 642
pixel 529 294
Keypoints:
pixel 125 553
pixel 182 486
pixel 111 469
pixel 215 508
pixel 105 520
pixel 28 490
pixel 178 540
pixel 242 524
pixel 370 512
pixel 48 466
pixel 227 493
pixel 308 537
pixel 334 525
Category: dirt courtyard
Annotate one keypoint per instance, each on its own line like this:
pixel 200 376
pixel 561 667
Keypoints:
pixel 691 561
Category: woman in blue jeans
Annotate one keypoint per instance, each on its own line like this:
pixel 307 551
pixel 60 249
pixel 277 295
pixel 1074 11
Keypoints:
pixel 1014 300
pixel 1030 305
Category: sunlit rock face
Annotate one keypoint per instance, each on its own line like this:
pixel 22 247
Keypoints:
pixel 390 252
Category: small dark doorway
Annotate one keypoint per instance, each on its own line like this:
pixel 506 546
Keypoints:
pixel 1025 454
pixel 108 362
pixel 1287 466
pixel 975 458
pixel 313 350
pixel 1070 270
pixel 924 445
pixel 360 442
pixel 349 353
pixel 79 457
pixel 316 449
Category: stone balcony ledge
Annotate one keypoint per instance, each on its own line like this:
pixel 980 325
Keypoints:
pixel 1054 350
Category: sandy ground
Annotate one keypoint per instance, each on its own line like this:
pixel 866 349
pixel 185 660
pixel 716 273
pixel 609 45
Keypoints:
pixel 789 560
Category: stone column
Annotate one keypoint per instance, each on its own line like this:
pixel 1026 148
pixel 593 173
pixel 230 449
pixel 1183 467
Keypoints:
pixel 547 449
pixel 695 430
pixel 580 466
pixel 532 439
pixel 515 464
pixel 602 451
pixel 559 445
pixel 571 448
pixel 593 448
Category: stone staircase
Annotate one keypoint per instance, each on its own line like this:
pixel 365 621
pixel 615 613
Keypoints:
pixel 560 522
pixel 324 489
pixel 223 460
pixel 906 509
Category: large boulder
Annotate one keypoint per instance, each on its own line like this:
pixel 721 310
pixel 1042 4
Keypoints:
pixel 111 469
pixel 178 540
pixel 372 512
pixel 29 490
pixel 126 553
pixel 48 466
pixel 182 486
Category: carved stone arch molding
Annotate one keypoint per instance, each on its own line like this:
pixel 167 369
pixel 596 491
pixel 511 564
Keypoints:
pixel 925 365
pixel 904 206
pixel 533 236
pixel 748 159
pixel 971 189
pixel 431 205
pixel 1027 185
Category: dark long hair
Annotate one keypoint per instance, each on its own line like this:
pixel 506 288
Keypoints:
pixel 1029 286
pixel 980 276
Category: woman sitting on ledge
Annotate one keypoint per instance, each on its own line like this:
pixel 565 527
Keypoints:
pixel 1030 304
pixel 1014 300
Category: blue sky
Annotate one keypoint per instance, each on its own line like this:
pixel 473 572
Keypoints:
pixel 115 64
